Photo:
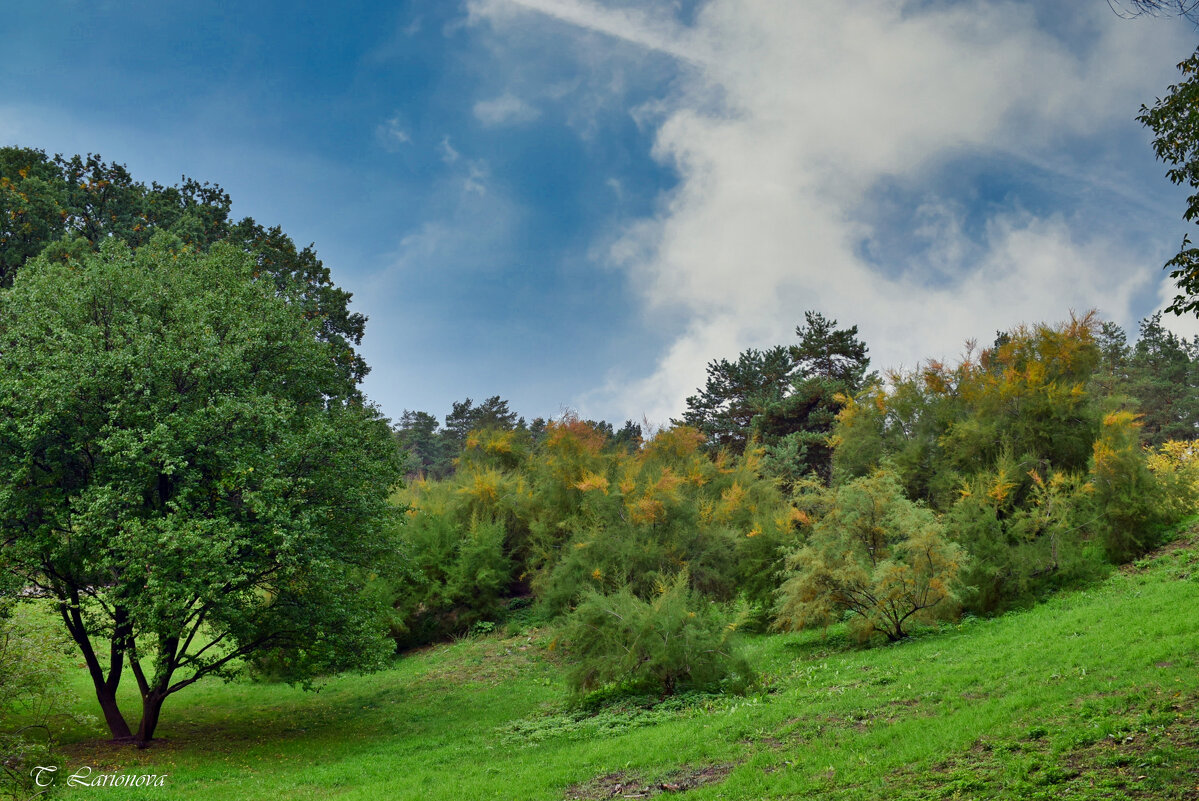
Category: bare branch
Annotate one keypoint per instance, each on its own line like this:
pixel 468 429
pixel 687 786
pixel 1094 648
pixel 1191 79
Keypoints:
pixel 1130 9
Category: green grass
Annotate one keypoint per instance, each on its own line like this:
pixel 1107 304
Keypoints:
pixel 1090 695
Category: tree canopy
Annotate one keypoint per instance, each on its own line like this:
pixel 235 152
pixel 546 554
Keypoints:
pixel 785 398
pixel 875 556
pixel 65 207
pixel 181 470
pixel 1175 125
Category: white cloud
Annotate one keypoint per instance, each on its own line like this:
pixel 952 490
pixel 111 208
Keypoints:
pixel 476 170
pixel 639 25
pixel 448 154
pixel 507 109
pixel 476 176
pixel 392 134
pixel 789 115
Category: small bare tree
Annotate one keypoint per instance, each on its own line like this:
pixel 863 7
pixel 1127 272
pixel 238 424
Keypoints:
pixel 1128 9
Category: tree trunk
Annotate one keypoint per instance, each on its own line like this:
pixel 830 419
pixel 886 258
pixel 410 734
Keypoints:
pixel 112 713
pixel 151 707
pixel 106 687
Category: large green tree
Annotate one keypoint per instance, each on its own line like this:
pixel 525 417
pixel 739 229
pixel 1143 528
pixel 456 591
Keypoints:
pixel 418 434
pixel 831 365
pixel 735 393
pixel 181 470
pixel 785 399
pixel 65 207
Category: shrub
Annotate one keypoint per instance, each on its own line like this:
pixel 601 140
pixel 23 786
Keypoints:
pixel 575 516
pixel 1129 500
pixel 33 695
pixel 674 642
pixel 1025 534
pixel 876 557
pixel 639 519
pixel 459 576
pixel 1175 465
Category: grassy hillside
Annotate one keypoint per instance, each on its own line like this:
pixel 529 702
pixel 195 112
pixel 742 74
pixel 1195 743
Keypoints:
pixel 1091 695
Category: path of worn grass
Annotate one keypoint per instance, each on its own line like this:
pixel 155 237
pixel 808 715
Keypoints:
pixel 1091 695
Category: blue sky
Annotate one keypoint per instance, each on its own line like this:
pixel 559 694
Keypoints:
pixel 578 203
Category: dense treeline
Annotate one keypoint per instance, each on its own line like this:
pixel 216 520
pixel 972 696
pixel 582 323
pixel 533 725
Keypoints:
pixel 434 449
pixel 783 400
pixel 811 491
pixel 579 512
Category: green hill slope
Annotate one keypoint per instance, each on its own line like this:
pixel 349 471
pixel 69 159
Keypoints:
pixel 1091 695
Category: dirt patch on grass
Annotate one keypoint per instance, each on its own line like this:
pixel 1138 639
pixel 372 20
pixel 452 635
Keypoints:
pixel 610 785
pixel 628 785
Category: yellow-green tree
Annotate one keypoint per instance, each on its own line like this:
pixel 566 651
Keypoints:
pixel 876 557
pixel 1038 473
pixel 580 513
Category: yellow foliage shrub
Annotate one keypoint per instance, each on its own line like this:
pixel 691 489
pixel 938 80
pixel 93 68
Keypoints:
pixel 1175 464
pixel 592 481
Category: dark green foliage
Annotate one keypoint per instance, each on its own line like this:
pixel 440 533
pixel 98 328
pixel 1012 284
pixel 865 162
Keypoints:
pixel 827 352
pixel 1157 377
pixel 65 207
pixel 629 438
pixel 675 641
pixel 32 211
pixel 537 430
pixel 1128 501
pixel 179 462
pixel 784 399
pixel 1175 126
pixel 795 430
pixel 492 413
pixel 1111 372
pixel 456 579
pixel 736 393
pixel 418 434
pixel 1163 377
